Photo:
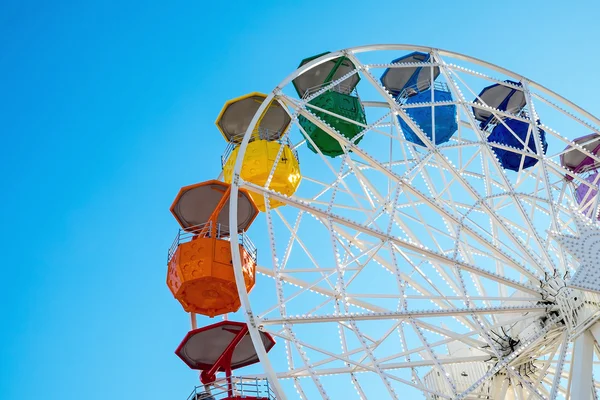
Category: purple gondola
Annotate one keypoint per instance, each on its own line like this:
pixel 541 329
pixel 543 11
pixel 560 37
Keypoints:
pixel 576 160
pixel 585 195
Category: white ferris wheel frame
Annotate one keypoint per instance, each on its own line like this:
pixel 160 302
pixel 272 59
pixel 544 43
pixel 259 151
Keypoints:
pixel 251 319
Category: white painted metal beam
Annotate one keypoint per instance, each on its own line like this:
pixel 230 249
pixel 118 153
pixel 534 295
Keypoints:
pixel 581 375
pixel 400 315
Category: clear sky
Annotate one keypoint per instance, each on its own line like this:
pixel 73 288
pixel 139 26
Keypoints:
pixel 108 107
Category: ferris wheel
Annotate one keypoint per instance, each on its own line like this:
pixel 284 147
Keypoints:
pixel 424 225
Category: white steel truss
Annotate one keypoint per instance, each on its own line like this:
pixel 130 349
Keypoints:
pixel 399 268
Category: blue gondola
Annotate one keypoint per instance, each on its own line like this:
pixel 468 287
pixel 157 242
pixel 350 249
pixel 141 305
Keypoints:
pixel 502 135
pixel 501 97
pixel 445 116
pixel 510 99
pixel 411 85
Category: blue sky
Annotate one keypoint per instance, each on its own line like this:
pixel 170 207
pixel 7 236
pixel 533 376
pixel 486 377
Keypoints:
pixel 107 108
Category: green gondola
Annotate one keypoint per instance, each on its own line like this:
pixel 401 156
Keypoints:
pixel 341 100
